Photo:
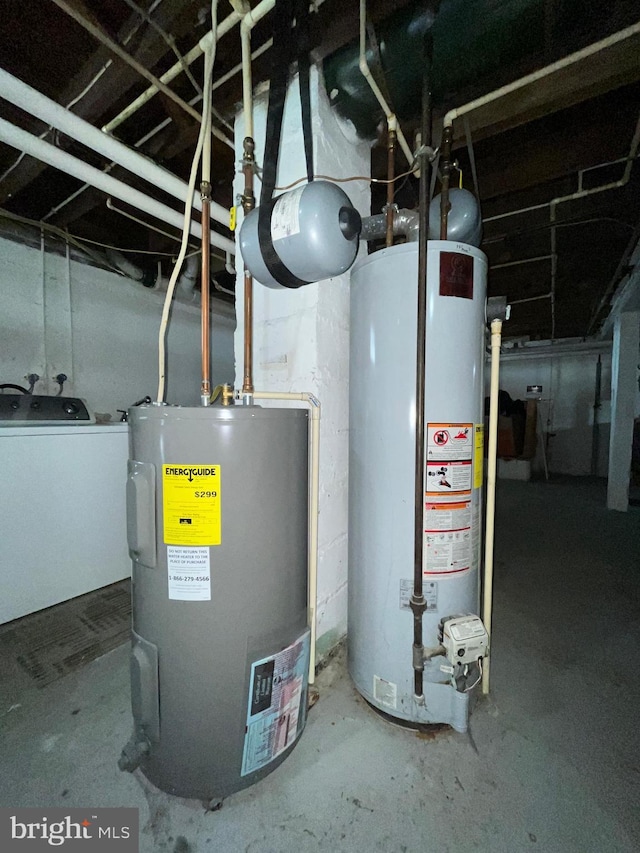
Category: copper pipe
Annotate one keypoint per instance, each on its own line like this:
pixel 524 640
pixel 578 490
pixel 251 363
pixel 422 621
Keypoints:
pixel 248 204
pixel 389 209
pixel 445 165
pixel 205 389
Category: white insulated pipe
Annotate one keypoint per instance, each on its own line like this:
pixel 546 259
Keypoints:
pixel 36 104
pixel 47 153
pixel 205 42
pixel 541 73
pixel 366 73
pixel 487 595
pixel 314 494
pixel 247 82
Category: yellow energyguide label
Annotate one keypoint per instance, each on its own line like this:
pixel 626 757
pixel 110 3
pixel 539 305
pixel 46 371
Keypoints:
pixel 478 456
pixel 191 501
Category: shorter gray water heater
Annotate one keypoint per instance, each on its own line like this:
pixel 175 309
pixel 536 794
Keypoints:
pixel 314 233
pixel 217 529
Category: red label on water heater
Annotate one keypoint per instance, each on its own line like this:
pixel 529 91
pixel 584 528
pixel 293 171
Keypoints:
pixel 456 275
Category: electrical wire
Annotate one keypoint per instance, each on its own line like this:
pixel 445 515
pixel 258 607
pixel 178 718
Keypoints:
pixel 352 178
pixel 78 242
pixel 209 56
pixel 478 680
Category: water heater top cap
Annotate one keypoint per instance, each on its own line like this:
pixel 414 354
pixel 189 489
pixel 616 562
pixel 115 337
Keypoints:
pixel 314 232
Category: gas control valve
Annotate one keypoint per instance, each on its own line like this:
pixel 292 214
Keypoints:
pixel 465 639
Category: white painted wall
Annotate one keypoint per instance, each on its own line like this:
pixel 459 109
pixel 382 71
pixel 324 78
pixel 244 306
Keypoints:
pixel 301 337
pixel 568 379
pixel 101 329
pixel 624 379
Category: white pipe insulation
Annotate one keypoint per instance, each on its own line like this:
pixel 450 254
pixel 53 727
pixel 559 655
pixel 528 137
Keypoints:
pixel 251 19
pixel 36 104
pixel 492 453
pixel 392 121
pixel 541 73
pixel 41 150
pixel 184 286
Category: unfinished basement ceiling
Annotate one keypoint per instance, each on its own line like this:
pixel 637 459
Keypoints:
pixel 527 150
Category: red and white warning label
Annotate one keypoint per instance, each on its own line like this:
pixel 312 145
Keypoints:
pixel 448 537
pixel 446 478
pixel 449 442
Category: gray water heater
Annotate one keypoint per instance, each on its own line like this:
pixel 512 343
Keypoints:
pixel 217 530
pixel 314 232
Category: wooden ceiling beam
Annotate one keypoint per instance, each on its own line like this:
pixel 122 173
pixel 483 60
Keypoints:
pixel 114 84
pixel 616 63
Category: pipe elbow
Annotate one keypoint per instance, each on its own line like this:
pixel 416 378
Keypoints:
pixel 364 67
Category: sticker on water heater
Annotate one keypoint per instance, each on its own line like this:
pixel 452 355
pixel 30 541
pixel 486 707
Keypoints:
pixel 276 710
pixel 447 442
pixel 478 456
pixel 447 552
pixel 448 537
pixel 191 496
pixel 429 591
pixel 189 573
pixel 448 478
pixel 385 692
pixel 456 275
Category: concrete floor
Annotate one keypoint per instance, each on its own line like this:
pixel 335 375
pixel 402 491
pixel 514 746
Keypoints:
pixel 552 762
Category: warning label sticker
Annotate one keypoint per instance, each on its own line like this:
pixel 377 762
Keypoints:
pixel 385 692
pixel 448 552
pixel 191 497
pixel 449 442
pixel 285 216
pixel 455 516
pixel 445 478
pixel 478 456
pixel 189 573
pixel 448 537
pixel 277 693
pixel 429 591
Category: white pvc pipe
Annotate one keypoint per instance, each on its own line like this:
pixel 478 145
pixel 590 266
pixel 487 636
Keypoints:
pixel 47 153
pixel 366 72
pixel 314 492
pixel 541 73
pixel 247 83
pixel 487 599
pixel 229 22
pixel 38 105
pixel 173 72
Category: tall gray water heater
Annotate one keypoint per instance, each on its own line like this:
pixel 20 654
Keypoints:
pixel 217 528
pixel 384 289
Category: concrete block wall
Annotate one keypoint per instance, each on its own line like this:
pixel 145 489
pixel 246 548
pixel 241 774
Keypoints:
pixel 301 337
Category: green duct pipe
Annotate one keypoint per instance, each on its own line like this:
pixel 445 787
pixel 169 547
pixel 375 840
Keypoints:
pixel 472 39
